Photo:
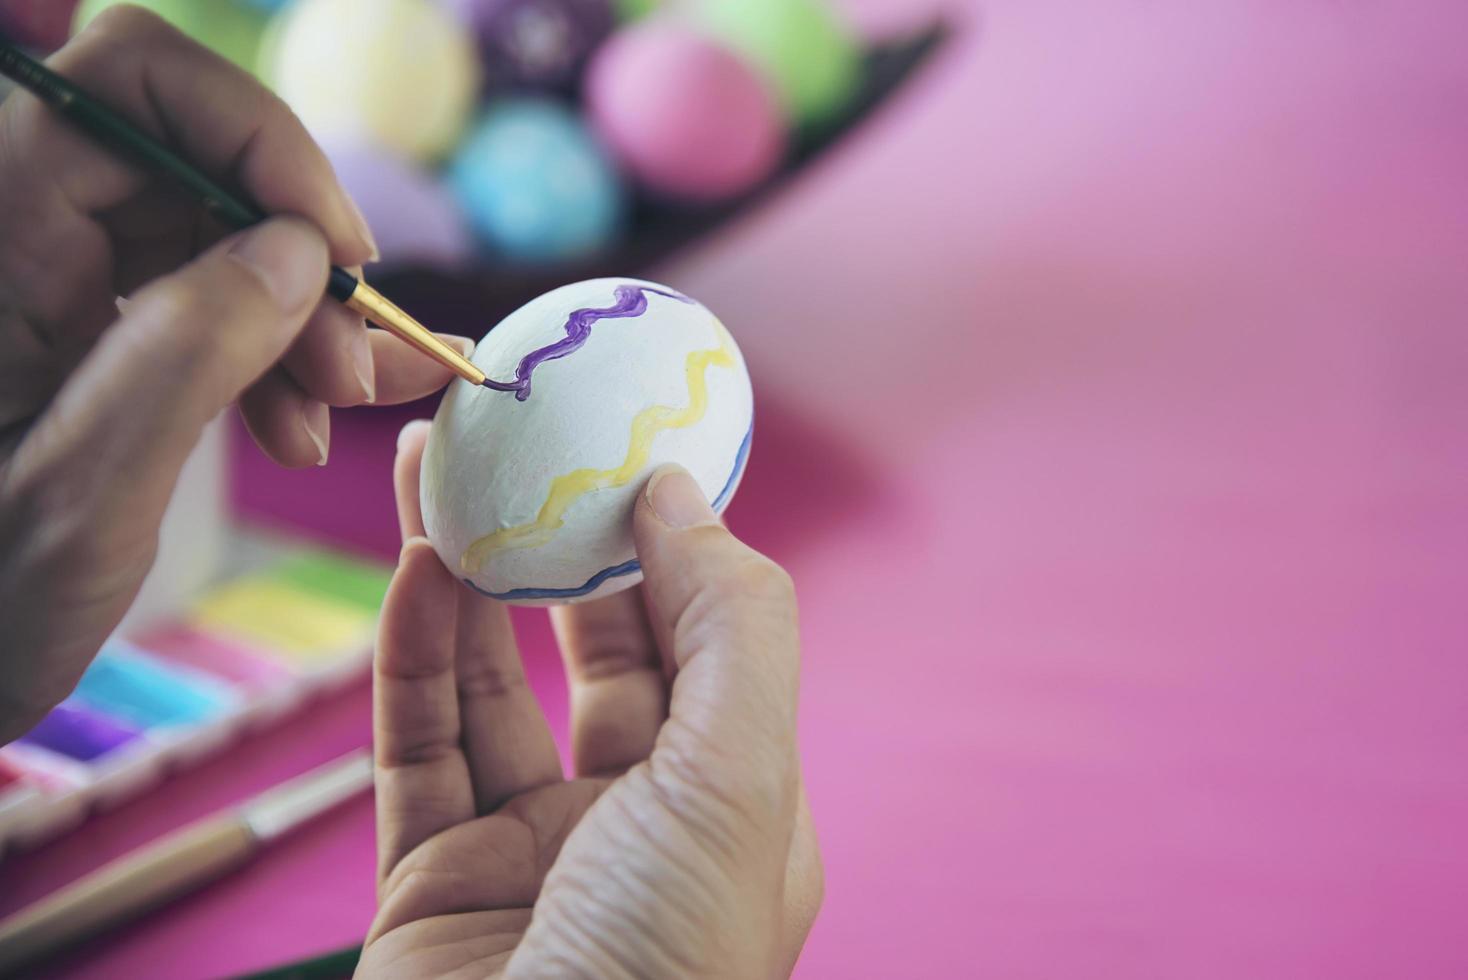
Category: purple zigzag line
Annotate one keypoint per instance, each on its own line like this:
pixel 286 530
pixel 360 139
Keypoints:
pixel 631 302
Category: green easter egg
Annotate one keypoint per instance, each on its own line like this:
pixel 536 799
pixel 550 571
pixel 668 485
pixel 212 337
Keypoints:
pixel 630 10
pixel 800 45
pixel 227 27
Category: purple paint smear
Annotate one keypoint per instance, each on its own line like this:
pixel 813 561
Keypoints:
pixel 79 733
pixel 631 302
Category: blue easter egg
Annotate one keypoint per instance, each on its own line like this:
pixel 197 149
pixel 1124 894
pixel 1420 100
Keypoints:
pixel 270 5
pixel 536 185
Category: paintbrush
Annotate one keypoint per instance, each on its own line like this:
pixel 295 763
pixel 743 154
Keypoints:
pixel 178 862
pixel 115 133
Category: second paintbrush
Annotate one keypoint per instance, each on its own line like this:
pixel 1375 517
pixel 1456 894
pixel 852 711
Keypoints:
pixel 115 132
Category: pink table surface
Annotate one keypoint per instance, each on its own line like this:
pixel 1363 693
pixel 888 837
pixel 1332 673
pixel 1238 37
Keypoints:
pixel 1113 425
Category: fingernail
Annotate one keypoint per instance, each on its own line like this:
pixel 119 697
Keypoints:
pixel 464 345
pixel 363 230
pixel 316 419
pixel 288 256
pixel 362 364
pixel 408 430
pixel 677 500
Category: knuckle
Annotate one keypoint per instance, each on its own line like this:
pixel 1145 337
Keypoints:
pixel 607 649
pixel 415 747
pixel 128 22
pixel 270 108
pixel 169 316
pixel 766 579
pixel 183 319
pixel 488 683
pixel 256 108
pixel 759 579
pixel 753 577
pixel 176 299
pixel 332 382
pixel 752 589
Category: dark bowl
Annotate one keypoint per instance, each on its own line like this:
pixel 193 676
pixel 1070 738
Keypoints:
pixel 448 300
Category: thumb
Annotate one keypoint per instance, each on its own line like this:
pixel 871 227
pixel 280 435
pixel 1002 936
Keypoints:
pixel 728 615
pixel 121 427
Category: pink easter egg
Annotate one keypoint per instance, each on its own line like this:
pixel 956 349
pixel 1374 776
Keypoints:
pixel 685 116
pixel 40 24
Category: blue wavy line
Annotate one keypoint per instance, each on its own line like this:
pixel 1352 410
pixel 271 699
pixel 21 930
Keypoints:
pixel 627 567
pixel 740 459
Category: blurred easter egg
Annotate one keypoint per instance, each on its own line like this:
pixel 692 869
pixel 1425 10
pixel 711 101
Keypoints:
pixel 226 27
pixel 400 73
pixel 630 10
pixel 270 5
pixel 40 24
pixel 413 216
pixel 535 43
pixel 536 184
pixel 684 115
pixel 800 44
pixel 528 491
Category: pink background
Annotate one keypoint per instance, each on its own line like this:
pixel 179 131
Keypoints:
pixel 1113 425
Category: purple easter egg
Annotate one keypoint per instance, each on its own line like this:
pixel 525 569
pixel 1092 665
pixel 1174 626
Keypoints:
pixel 412 215
pixel 536 44
pixel 41 24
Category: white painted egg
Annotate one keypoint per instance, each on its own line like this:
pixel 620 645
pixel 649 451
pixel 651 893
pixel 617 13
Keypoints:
pixel 529 485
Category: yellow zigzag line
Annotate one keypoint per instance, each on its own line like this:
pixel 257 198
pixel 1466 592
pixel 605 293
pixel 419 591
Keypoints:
pixel 566 490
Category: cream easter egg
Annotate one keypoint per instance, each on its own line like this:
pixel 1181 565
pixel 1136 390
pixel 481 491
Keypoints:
pixel 530 481
pixel 398 73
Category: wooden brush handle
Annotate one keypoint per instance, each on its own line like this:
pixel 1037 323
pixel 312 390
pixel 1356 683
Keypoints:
pixel 126 887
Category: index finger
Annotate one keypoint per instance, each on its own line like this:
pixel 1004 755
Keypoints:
pixel 217 116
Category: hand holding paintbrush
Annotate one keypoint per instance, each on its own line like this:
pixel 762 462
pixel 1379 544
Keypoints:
pixel 112 130
pixel 99 410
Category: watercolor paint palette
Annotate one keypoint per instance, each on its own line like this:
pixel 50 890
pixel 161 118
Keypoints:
pixel 291 625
